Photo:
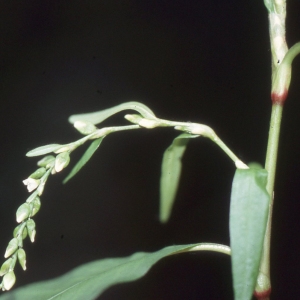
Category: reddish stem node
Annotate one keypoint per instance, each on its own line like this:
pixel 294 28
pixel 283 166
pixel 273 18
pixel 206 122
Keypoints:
pixel 264 295
pixel 279 99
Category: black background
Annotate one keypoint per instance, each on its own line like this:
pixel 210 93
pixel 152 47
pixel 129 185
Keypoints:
pixel 201 61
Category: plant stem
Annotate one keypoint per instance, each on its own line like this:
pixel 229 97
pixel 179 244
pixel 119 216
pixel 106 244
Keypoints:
pixel 207 247
pixel 271 158
pixel 270 166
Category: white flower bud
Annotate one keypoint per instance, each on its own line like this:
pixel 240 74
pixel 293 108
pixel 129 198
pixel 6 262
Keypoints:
pixel 22 258
pixel 85 127
pixel 46 161
pixel 35 205
pixel 11 248
pixel 9 280
pixel 5 266
pixel 61 161
pixel 30 224
pixel 23 212
pixel 24 232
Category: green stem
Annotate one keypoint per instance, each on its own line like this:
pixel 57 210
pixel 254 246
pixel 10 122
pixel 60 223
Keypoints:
pixel 207 247
pixel 270 166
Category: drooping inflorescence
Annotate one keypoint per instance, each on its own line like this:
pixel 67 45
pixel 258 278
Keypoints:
pixel 51 164
pixel 35 183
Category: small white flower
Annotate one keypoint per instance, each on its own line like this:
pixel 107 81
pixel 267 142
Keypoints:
pixel 31 183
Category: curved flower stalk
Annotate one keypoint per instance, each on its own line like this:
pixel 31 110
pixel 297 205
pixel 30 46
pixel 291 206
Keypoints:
pixel 51 164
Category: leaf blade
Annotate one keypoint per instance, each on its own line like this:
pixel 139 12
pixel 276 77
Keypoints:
pixel 249 208
pixel 84 159
pixel 90 280
pixel 43 150
pixel 170 174
pixel 100 116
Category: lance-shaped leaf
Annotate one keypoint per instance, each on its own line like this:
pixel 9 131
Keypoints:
pixel 90 280
pixel 44 150
pixel 170 174
pixel 249 210
pixel 84 159
pixel 100 116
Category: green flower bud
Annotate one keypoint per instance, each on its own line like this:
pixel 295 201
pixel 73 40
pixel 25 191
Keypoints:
pixel 38 173
pixel 11 248
pixel 5 266
pixel 23 230
pixel 41 187
pixel 31 197
pixel 30 224
pixel 35 206
pixel 31 183
pixel 46 161
pixel 20 242
pixel 64 148
pixel 85 127
pixel 23 212
pixel 9 280
pixel 22 258
pixel 61 161
pixel 143 122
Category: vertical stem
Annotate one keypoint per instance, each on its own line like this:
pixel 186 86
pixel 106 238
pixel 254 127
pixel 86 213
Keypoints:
pixel 264 283
pixel 270 166
pixel 280 85
pixel 272 149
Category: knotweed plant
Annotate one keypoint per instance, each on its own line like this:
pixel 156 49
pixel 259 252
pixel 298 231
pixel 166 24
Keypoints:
pixel 251 194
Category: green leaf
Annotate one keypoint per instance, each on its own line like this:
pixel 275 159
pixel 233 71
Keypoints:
pixel 100 116
pixel 170 174
pixel 44 150
pixel 84 159
pixel 249 210
pixel 90 280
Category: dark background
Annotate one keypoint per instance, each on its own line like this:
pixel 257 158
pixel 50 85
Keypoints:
pixel 201 61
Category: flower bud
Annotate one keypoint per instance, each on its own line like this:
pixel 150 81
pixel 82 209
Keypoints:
pixel 23 212
pixel 11 248
pixel 46 161
pixel 85 127
pixel 22 258
pixel 197 129
pixel 20 230
pixel 9 280
pixel 5 266
pixel 41 187
pixel 31 183
pixel 31 197
pixel 35 206
pixel 30 224
pixel 61 161
pixel 38 173
pixel 143 122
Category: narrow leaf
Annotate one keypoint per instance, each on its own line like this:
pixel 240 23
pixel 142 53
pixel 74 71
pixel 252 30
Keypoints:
pixel 100 116
pixel 90 280
pixel 44 150
pixel 170 174
pixel 84 159
pixel 249 210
